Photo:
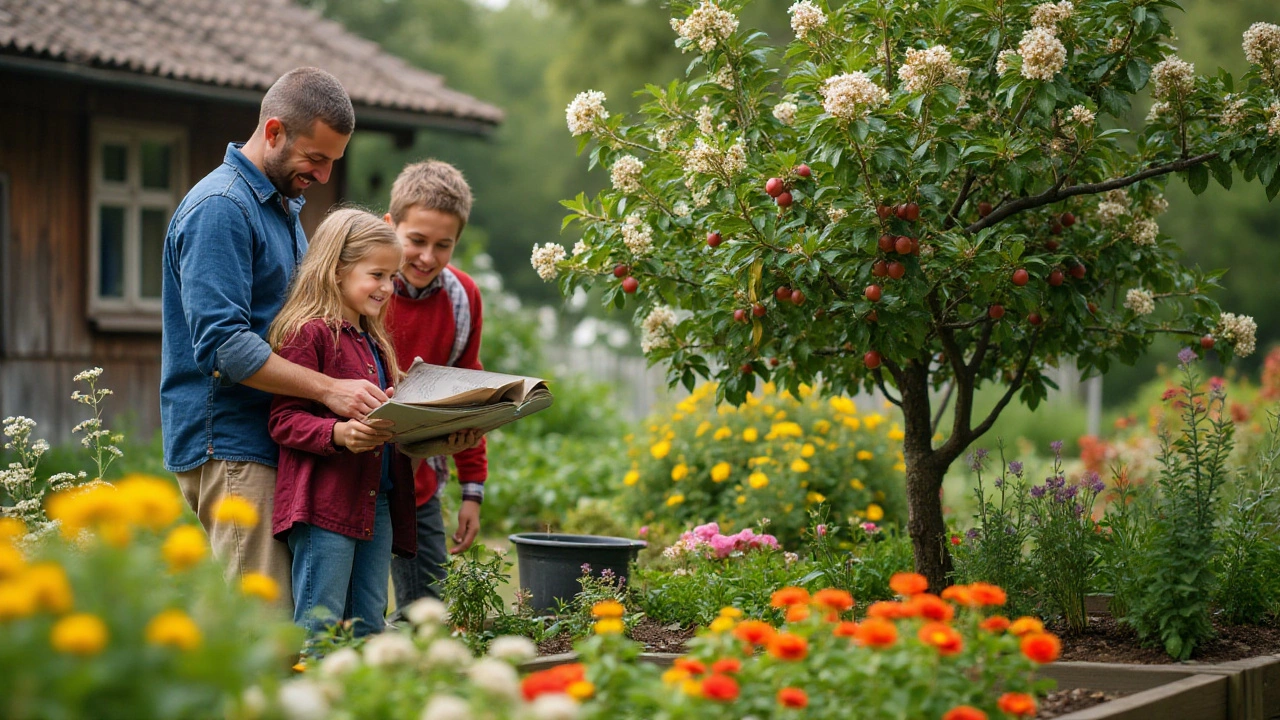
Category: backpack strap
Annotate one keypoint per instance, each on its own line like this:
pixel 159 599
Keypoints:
pixel 461 313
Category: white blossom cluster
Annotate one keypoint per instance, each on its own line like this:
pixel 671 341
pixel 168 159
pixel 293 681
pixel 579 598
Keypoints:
pixel 1158 108
pixel 1140 301
pixel 1172 78
pixel 544 259
pixel 1233 110
pixel 1238 330
pixel 726 78
pixel 89 376
pixel 706 119
pixel 657 329
pixel 1116 44
pixel 851 96
pixel 706 26
pixel 1273 119
pixel 580 247
pixel 625 174
pixel 663 136
pixel 1043 54
pixel 1082 115
pixel 1262 46
pixel 705 159
pixel 1157 205
pixel 923 70
pixel 1048 15
pixel 785 112
pixel 805 18
pixel 681 209
pixel 1114 205
pixel 1144 232
pixel 836 214
pixel 637 235
pixel 587 107
pixel 1002 60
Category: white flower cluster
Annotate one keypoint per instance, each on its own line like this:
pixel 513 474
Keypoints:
pixel 1116 44
pixel 1273 119
pixel 836 214
pixel 544 259
pixel 706 159
pixel 785 112
pixel 1239 330
pixel 1145 232
pixel 1262 46
pixel 1140 301
pixel 1043 54
pixel 587 107
pixel 726 78
pixel 1114 204
pixel 706 26
pixel 706 120
pixel 681 209
pixel 580 247
pixel 1082 115
pixel 851 96
pixel 1233 110
pixel 625 174
pixel 657 327
pixel 1158 108
pixel 637 235
pixel 923 70
pixel 805 18
pixel 88 375
pixel 1157 205
pixel 1002 60
pixel 1048 15
pixel 1172 77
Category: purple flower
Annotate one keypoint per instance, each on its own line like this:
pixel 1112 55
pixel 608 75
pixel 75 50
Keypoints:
pixel 1015 467
pixel 1056 446
pixel 1186 356
pixel 999 482
pixel 1071 491
pixel 975 459
pixel 972 534
pixel 1079 509
pixel 1037 491
pixel 1094 481
pixel 586 567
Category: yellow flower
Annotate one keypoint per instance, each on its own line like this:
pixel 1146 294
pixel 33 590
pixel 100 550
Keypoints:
pixel 851 422
pixel 873 420
pixel 807 450
pixel 769 388
pixel 785 429
pixel 675 500
pixel 814 498
pixel 80 634
pixel 581 690
pixel 822 427
pixel 741 500
pixel 720 472
pixel 726 410
pixel 722 624
pixel 259 586
pixel 730 611
pixel 895 432
pixel 679 472
pixel 759 460
pixel 11 529
pixel 609 626
pixel 780 415
pixel 675 675
pixel 900 467
pixel 703 427
pixel 691 687
pixel 799 465
pixel 750 435
pixel 805 391
pixel 11 561
pixel 875 513
pixel 631 478
pixel 174 628
pixel 677 417
pixel 185 546
pixel 722 433
pixel 660 449
pixel 865 455
pixel 843 405
pixel 788 507
pixel 156 502
pixel 608 609
pixel 17 600
pixel 48 582
pixel 758 480
pixel 856 484
pixel 237 511
pixel 92 506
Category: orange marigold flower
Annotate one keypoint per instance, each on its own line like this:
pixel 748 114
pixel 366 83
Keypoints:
pixel 797 613
pixel 674 675
pixel 1026 625
pixel 908 583
pixel 720 687
pixel 756 632
pixel 726 666
pixel 689 665
pixel 845 629
pixel 1041 647
pixel 887 610
pixel 793 697
pixel 987 594
pixel 876 632
pixel 964 712
pixel 790 596
pixel 960 595
pixel 553 680
pixel 786 646
pixel 932 607
pixel 833 599
pixel 1017 704
pixel 995 624
pixel 608 609
pixel 942 636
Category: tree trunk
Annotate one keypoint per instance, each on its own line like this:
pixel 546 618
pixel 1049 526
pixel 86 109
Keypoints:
pixel 925 470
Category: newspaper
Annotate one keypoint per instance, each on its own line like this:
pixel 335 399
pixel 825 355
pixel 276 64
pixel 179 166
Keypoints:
pixel 435 401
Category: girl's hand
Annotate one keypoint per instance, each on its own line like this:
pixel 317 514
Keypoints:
pixel 357 436
pixel 463 440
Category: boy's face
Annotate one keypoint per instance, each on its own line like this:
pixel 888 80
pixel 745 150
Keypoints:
pixel 429 238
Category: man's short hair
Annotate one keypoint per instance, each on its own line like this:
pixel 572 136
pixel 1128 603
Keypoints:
pixel 431 185
pixel 304 95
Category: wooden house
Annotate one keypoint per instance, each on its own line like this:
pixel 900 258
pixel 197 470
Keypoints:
pixel 109 111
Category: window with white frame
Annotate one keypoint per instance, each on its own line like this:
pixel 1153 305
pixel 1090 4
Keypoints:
pixel 138 177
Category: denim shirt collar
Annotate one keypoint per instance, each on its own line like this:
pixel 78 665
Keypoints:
pixel 257 181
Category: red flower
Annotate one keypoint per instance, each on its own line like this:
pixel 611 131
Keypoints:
pixel 908 583
pixel 833 599
pixel 755 632
pixel 876 632
pixel 797 613
pixel 720 687
pixel 1026 625
pixel 792 697
pixel 1041 647
pixel 944 637
pixel 955 540
pixel 995 624
pixel 960 595
pixel 553 680
pixel 726 666
pixel 987 594
pixel 888 610
pixel 964 712
pixel 786 646
pixel 790 596
pixel 845 629
pixel 689 665
pixel 1017 704
pixel 931 607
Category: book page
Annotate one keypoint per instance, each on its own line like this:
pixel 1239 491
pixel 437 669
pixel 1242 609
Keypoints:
pixel 438 385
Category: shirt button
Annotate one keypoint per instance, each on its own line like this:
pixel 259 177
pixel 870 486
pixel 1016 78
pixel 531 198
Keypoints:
pixel 217 374
pixel 377 453
pixel 373 493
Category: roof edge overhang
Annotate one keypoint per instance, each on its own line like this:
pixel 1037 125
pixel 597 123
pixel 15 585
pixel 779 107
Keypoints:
pixel 368 117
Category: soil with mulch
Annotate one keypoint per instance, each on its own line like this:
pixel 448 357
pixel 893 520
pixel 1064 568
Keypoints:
pixel 656 637
pixel 1062 702
pixel 1107 641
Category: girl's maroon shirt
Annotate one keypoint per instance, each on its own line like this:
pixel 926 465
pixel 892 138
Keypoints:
pixel 317 482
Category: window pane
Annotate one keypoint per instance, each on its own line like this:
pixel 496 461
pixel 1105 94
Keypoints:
pixel 157 163
pixel 115 162
pixel 155 222
pixel 111 251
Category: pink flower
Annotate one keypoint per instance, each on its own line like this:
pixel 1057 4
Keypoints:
pixel 870 528
pixel 723 545
pixel 821 530
pixel 644 531
pixel 706 532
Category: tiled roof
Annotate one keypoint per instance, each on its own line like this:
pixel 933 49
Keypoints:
pixel 241 44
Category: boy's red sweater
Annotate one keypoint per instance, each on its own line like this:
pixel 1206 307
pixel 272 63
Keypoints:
pixel 425 328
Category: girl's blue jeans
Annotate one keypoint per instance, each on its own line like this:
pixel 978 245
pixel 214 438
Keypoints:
pixel 336 577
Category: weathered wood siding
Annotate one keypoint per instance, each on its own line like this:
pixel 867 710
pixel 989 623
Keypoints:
pixel 46 337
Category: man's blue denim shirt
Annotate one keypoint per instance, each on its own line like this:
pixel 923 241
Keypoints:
pixel 229 255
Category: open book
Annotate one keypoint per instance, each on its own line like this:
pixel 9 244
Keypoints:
pixel 435 401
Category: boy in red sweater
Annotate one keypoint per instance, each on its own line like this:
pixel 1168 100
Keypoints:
pixel 435 314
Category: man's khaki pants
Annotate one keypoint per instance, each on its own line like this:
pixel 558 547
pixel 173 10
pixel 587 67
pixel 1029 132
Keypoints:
pixel 242 550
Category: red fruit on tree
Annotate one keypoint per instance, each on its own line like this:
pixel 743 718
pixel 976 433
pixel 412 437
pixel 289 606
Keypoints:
pixel 995 312
pixel 1055 227
pixel 873 316
pixel 773 362
pixel 1020 277
pixel 746 368
pixel 758 310
pixel 879 268
pixel 1206 342
pixel 900 210
pixel 884 211
pixel 784 200
pixel 774 186
pixel 1034 318
pixel 915 246
pixel 897 270
pixel 902 245
pixel 885 243
pixel 872 359
pixel 1056 278
pixel 872 293
pixel 714 239
pixel 1067 219
pixel 797 297
pixel 782 293
pixel 984 209
pixel 620 270
pixel 1077 271
pixel 912 212
pixel 740 315
pixel 1092 308
pixel 630 284
pixel 1052 245
pixel 803 171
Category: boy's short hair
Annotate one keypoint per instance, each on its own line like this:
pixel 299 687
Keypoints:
pixel 431 185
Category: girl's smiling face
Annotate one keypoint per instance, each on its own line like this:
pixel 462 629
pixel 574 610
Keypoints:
pixel 366 286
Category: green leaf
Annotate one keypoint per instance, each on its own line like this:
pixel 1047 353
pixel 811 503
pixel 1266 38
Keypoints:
pixel 1198 178
pixel 1138 72
pixel 1221 170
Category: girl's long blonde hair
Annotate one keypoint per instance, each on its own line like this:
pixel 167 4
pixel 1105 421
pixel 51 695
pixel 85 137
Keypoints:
pixel 344 238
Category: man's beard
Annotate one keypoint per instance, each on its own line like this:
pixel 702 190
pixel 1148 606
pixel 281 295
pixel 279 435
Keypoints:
pixel 277 171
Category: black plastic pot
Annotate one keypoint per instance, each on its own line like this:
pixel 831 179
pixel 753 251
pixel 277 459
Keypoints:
pixel 551 563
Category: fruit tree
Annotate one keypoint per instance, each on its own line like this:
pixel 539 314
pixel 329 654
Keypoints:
pixel 917 196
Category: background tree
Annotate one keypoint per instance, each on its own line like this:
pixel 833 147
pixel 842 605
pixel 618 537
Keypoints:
pixel 907 199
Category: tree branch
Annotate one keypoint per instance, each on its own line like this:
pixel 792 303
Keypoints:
pixel 1014 385
pixel 960 200
pixel 980 352
pixel 884 389
pixel 1056 193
